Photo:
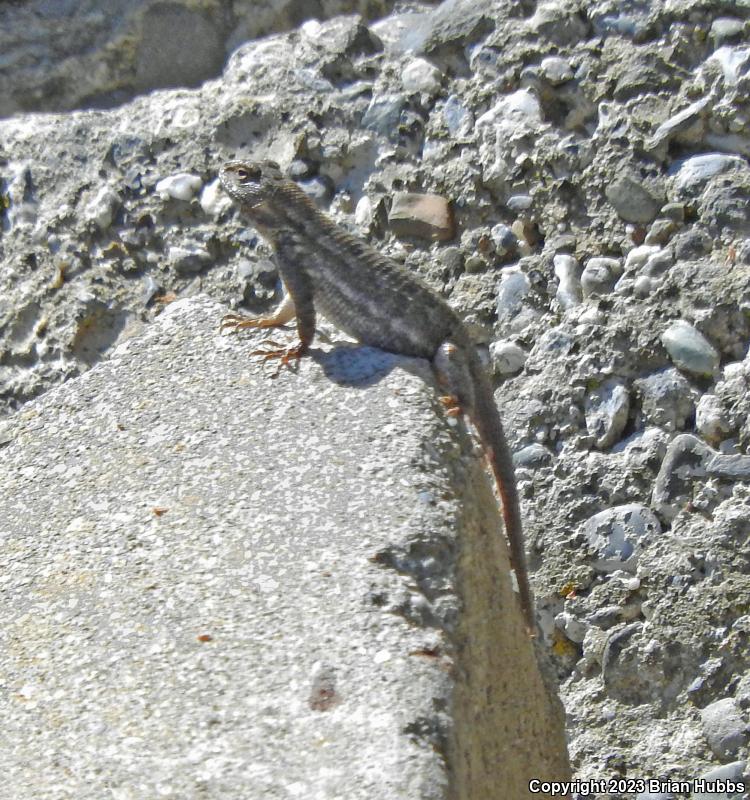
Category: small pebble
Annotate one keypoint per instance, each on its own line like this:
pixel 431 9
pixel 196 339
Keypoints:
pixel 507 357
pixel 214 200
pixel 667 399
pixel 724 728
pixel 733 772
pixel 631 201
pixel 504 239
pixel 638 256
pixel 421 76
pixel 518 108
pixel 513 288
pixel 424 216
pixel 182 186
pixel 607 410
pixel 619 534
pixel 712 419
pixel 689 349
pixel 532 456
pixel 101 208
pixel 556 70
pixel 600 275
pixel 568 273
pixel 458 119
pixel 692 173
pixel 733 62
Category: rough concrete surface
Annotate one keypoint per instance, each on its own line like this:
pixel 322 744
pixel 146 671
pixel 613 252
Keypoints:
pixel 216 584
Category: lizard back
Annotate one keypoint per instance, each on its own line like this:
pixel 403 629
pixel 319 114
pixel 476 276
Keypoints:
pixel 360 291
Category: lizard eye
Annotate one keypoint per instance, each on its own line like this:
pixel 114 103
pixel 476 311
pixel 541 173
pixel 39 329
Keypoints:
pixel 245 174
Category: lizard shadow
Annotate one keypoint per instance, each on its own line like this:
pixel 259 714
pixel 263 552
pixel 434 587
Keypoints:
pixel 358 365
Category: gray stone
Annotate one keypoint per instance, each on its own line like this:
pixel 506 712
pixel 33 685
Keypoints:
pixel 724 207
pixel 691 174
pixel 692 243
pixel 459 21
pixel 733 773
pixel 457 118
pixel 689 349
pixel 631 201
pixel 181 186
pixel 712 419
pixel 661 231
pixel 733 61
pixel 682 123
pixel 558 22
pixel 689 461
pixel 101 208
pixel 731 467
pixel 189 259
pixel 513 288
pixel 726 29
pixel 504 239
pixel 607 410
pixel 383 114
pixel 724 727
pixel 658 263
pixel 519 202
pixel 667 399
pixel 420 75
pixel 684 464
pixel 532 456
pixel 517 112
pixel 600 275
pixel 619 534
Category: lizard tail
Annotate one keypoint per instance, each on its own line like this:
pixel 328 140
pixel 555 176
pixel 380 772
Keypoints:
pixel 487 421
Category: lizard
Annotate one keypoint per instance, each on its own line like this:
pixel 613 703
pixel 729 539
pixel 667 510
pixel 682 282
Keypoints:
pixel 327 270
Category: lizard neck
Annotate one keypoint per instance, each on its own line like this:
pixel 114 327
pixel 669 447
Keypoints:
pixel 264 218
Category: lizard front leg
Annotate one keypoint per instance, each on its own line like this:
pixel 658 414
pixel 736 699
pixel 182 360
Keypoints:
pixel 297 302
pixel 283 313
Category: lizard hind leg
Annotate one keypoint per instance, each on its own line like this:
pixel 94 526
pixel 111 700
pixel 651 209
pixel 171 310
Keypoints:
pixel 453 373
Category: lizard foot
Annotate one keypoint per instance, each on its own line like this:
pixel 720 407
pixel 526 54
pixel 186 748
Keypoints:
pixel 283 313
pixel 236 322
pixel 286 355
pixel 451 405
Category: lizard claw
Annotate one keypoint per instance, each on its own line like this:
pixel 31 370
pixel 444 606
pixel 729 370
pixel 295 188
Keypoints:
pixel 286 355
pixel 451 405
pixel 236 322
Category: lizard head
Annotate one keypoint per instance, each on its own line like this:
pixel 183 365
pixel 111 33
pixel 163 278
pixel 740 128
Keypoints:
pixel 250 182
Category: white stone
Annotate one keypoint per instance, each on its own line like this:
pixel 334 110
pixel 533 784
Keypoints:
pixel 101 208
pixel 181 186
pixel 421 76
pixel 214 200
pixel 521 108
pixel 556 70
pixel 507 357
pixel 568 273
